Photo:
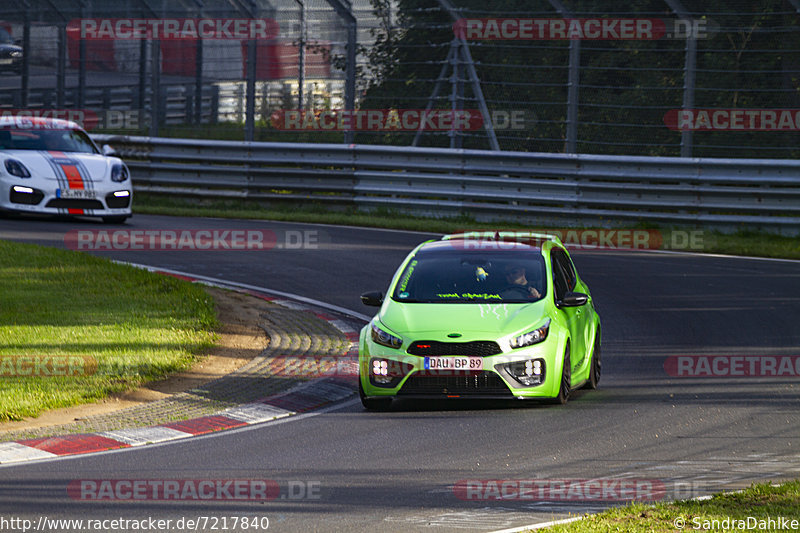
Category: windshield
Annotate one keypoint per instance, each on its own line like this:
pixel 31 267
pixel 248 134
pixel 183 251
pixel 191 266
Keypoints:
pixel 473 277
pixel 61 140
pixel 5 38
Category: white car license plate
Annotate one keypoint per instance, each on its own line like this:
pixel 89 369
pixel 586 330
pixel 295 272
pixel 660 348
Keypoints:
pixel 6 61
pixel 82 194
pixel 453 363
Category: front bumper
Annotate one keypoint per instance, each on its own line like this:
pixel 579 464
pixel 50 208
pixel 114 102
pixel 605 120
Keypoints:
pixel 8 63
pixel 493 382
pixel 109 200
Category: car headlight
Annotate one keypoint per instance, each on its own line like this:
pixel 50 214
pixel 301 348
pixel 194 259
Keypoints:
pixel 385 339
pixel 16 53
pixel 532 337
pixel 119 172
pixel 16 168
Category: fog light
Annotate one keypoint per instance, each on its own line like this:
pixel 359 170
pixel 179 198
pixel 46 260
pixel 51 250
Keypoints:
pixel 529 373
pixel 388 373
pixel 19 188
pixel 379 368
pixel 122 194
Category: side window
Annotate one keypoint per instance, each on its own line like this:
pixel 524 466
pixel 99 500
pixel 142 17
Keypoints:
pixel 560 283
pixel 569 270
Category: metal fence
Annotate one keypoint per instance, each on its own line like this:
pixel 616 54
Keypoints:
pixel 533 187
pixel 288 65
pixel 607 95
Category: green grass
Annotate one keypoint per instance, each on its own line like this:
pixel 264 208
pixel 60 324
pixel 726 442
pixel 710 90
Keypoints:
pixel 760 501
pixel 743 242
pixel 136 325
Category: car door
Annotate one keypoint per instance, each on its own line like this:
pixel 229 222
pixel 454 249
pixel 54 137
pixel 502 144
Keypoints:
pixel 564 280
pixel 587 311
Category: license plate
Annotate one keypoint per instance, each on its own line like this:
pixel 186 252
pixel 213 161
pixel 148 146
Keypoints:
pixel 453 363
pixel 82 194
pixel 6 61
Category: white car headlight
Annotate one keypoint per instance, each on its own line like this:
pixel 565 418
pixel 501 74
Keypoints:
pixel 119 172
pixel 532 337
pixel 385 339
pixel 16 168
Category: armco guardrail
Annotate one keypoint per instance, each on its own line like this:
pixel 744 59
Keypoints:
pixel 175 103
pixel 712 192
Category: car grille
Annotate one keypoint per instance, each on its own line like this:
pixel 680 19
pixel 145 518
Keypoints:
pixel 474 348
pixel 76 203
pixel 475 384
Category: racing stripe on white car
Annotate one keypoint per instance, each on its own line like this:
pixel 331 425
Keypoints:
pixel 71 175
pixel 86 179
pixel 58 173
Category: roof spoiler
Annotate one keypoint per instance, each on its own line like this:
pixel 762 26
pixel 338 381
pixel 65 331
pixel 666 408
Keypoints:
pixel 522 237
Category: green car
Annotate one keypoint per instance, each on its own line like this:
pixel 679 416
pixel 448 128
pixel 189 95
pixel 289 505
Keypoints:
pixel 481 315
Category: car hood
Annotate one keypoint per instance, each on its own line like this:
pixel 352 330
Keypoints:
pixel 474 321
pixel 6 47
pixel 93 167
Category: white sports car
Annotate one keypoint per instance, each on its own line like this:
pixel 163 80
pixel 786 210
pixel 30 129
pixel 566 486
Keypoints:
pixel 51 166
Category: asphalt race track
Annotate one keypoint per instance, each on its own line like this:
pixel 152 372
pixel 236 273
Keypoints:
pixel 396 471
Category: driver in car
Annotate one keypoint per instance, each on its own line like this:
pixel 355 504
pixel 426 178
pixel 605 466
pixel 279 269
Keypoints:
pixel 518 284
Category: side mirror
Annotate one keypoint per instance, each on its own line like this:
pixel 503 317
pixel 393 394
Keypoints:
pixel 573 299
pixel 373 299
pixel 107 150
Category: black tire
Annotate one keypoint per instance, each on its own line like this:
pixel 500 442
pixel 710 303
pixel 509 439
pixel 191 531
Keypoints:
pixel 597 366
pixel 115 220
pixel 565 387
pixel 373 404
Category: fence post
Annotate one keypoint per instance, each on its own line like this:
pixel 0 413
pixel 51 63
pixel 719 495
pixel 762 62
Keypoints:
pixel 155 87
pixel 301 60
pixel 142 89
pixel 250 103
pixel 198 73
pixel 344 10
pixel 189 104
pixel 455 92
pixel 82 59
pixel 214 105
pixel 573 84
pixel 61 66
pixel 689 73
pixel 26 46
